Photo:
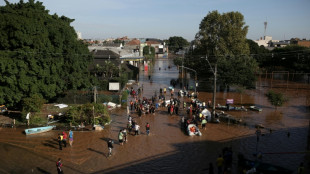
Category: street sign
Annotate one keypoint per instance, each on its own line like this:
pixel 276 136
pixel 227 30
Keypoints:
pixel 230 101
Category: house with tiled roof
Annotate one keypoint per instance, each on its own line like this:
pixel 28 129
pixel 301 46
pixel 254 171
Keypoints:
pixel 134 42
pixel 133 46
pixel 161 50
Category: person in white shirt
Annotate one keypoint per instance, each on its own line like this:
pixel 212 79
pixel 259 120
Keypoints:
pixel 137 129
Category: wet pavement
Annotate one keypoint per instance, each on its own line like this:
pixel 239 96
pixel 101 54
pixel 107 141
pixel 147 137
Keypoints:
pixel 168 149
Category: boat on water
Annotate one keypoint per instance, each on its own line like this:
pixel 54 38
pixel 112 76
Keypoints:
pixel 37 130
pixel 255 108
pixel 192 130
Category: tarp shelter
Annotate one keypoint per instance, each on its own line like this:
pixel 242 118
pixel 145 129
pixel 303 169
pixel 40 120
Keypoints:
pixel 206 113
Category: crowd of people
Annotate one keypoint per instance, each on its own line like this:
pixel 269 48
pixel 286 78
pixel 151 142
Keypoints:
pixel 62 139
pixel 142 106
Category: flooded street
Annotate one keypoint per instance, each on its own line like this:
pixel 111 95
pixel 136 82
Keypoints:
pixel 168 149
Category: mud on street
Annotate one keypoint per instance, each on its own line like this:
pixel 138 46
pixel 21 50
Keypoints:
pixel 168 149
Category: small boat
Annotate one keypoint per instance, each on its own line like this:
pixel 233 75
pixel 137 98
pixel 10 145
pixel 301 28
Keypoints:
pixel 255 108
pixel 192 130
pixel 38 130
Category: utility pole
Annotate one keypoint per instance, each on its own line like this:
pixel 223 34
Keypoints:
pixel 214 89
pixel 195 75
pixel 95 94
pixel 182 72
pixel 94 114
pixel 214 94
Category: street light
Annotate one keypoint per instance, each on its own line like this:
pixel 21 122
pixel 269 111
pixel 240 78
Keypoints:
pixel 214 88
pixel 195 75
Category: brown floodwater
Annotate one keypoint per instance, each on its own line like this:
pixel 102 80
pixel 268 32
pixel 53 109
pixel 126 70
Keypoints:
pixel 168 149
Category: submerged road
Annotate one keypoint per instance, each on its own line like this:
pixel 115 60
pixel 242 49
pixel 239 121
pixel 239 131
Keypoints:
pixel 167 149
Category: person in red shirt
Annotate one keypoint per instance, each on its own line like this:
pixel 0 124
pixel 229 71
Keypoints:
pixel 64 139
pixel 59 165
pixel 171 109
pixel 147 127
pixel 131 105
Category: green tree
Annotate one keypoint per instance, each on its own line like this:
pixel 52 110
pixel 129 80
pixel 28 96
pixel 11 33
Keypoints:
pixel 40 54
pixel 260 53
pixel 176 42
pixel 222 39
pixel 291 58
pixel 149 52
pixel 33 103
pixel 108 70
pixel 276 99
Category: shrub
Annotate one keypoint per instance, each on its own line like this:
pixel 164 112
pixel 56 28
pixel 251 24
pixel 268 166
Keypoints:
pixel 276 99
pixel 33 103
pixel 37 120
pixel 87 112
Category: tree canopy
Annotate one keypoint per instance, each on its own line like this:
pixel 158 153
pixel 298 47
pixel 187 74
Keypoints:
pixel 259 53
pixel 40 54
pixel 222 40
pixel 176 42
pixel 291 58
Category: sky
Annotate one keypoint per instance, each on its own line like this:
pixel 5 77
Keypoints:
pixel 102 19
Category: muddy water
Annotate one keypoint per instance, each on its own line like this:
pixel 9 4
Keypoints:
pixel 167 149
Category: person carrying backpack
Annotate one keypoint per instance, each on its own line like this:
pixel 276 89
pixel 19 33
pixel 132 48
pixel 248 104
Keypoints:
pixel 59 165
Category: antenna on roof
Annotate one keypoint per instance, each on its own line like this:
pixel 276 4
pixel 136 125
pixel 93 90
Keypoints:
pixel 265 26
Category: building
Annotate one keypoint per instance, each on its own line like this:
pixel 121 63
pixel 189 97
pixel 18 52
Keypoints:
pixel 134 46
pixel 303 42
pixel 161 50
pixel 79 35
pixel 279 44
pixel 265 41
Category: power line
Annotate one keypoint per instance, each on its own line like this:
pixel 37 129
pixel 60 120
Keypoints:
pixel 44 53
pixel 272 54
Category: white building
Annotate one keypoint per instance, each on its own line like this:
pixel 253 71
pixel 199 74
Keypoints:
pixel 79 35
pixel 264 41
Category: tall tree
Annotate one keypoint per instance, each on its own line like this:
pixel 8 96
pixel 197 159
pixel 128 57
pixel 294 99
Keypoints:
pixel 259 53
pixel 40 54
pixel 176 42
pixel 222 39
pixel 149 52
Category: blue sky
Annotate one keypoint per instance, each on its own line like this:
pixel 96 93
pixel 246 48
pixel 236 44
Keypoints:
pixel 100 19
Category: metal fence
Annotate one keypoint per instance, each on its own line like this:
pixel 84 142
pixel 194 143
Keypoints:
pixel 83 97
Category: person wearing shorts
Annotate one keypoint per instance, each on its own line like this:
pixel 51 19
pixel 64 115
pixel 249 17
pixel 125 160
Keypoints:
pixel 70 137
pixel 147 128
